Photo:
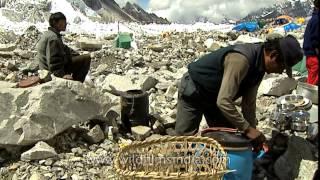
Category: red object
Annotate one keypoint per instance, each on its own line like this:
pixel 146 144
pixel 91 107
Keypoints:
pixel 30 81
pixel 313 69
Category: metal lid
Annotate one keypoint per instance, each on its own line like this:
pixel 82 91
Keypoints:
pixel 229 139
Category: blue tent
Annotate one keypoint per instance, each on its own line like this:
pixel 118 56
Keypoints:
pixel 291 26
pixel 247 26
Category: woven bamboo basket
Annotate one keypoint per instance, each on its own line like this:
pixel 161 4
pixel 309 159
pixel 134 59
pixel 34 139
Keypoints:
pixel 172 157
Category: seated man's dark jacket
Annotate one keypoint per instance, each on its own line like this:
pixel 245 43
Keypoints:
pixel 52 54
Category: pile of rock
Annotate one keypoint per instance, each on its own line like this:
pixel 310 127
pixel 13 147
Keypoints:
pixel 64 129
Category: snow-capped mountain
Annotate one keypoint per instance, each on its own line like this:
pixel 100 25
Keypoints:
pixel 293 8
pixel 78 10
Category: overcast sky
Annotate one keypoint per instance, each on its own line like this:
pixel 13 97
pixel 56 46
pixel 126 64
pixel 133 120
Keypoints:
pixel 188 10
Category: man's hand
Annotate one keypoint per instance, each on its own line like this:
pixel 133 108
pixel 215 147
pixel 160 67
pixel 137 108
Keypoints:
pixel 252 133
pixel 257 138
pixel 68 77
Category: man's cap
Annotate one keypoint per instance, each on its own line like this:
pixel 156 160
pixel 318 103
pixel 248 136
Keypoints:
pixel 291 51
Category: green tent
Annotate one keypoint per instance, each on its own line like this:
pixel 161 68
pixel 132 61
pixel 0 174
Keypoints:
pixel 123 40
pixel 301 67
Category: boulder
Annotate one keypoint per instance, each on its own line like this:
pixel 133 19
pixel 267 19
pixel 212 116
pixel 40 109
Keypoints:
pixel 29 115
pixel 167 121
pixel 12 77
pixel 125 83
pixel 246 39
pixel 157 48
pixel 6 54
pixel 44 75
pixel 89 44
pixel 276 85
pixel 11 66
pixel 287 165
pixel 36 176
pixel 140 133
pixel 95 135
pixel 5 84
pixel 171 132
pixel 25 54
pixel 7 47
pixel 307 170
pixel 40 151
pixel 101 69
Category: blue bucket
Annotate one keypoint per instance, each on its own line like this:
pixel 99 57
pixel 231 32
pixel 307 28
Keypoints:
pixel 239 152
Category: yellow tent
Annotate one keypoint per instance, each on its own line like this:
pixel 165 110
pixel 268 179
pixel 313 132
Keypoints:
pixel 284 19
pixel 301 20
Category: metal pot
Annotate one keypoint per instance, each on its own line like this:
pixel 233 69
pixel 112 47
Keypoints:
pixel 307 90
pixel 299 126
pixel 300 121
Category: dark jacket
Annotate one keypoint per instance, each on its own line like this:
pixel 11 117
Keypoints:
pixel 312 35
pixel 52 54
pixel 207 72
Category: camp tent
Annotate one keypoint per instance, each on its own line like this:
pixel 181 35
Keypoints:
pixel 123 40
pixel 300 20
pixel 283 20
pixel 247 26
pixel 291 26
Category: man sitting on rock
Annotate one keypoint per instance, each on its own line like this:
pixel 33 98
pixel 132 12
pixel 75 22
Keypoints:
pixel 216 80
pixel 58 58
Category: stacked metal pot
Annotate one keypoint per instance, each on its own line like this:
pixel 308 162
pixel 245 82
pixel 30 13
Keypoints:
pixel 291 113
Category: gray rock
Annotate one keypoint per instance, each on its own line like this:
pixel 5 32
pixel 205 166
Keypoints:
pixel 154 137
pixel 40 151
pixel 44 75
pixel 113 116
pixel 101 69
pixel 158 127
pixel 6 54
pixel 30 67
pixel 43 111
pixel 163 85
pixel 12 77
pixel 95 135
pixel 5 84
pixel 190 52
pixel 171 132
pixel 277 85
pixel 2 76
pixel 307 170
pixel 223 37
pixel 287 165
pixel 171 92
pixel 157 48
pixel 37 176
pixel 125 83
pixel 167 121
pixel 24 54
pixel 141 132
pixel 89 44
pixel 7 47
pixel 11 66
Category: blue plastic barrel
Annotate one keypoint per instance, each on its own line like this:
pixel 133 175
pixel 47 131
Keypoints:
pixel 239 153
pixel 242 162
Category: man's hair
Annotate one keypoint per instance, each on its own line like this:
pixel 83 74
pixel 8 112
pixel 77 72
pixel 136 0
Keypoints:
pixel 316 3
pixel 272 43
pixel 55 17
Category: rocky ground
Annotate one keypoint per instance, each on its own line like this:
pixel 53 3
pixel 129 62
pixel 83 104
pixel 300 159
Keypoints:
pixel 78 138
